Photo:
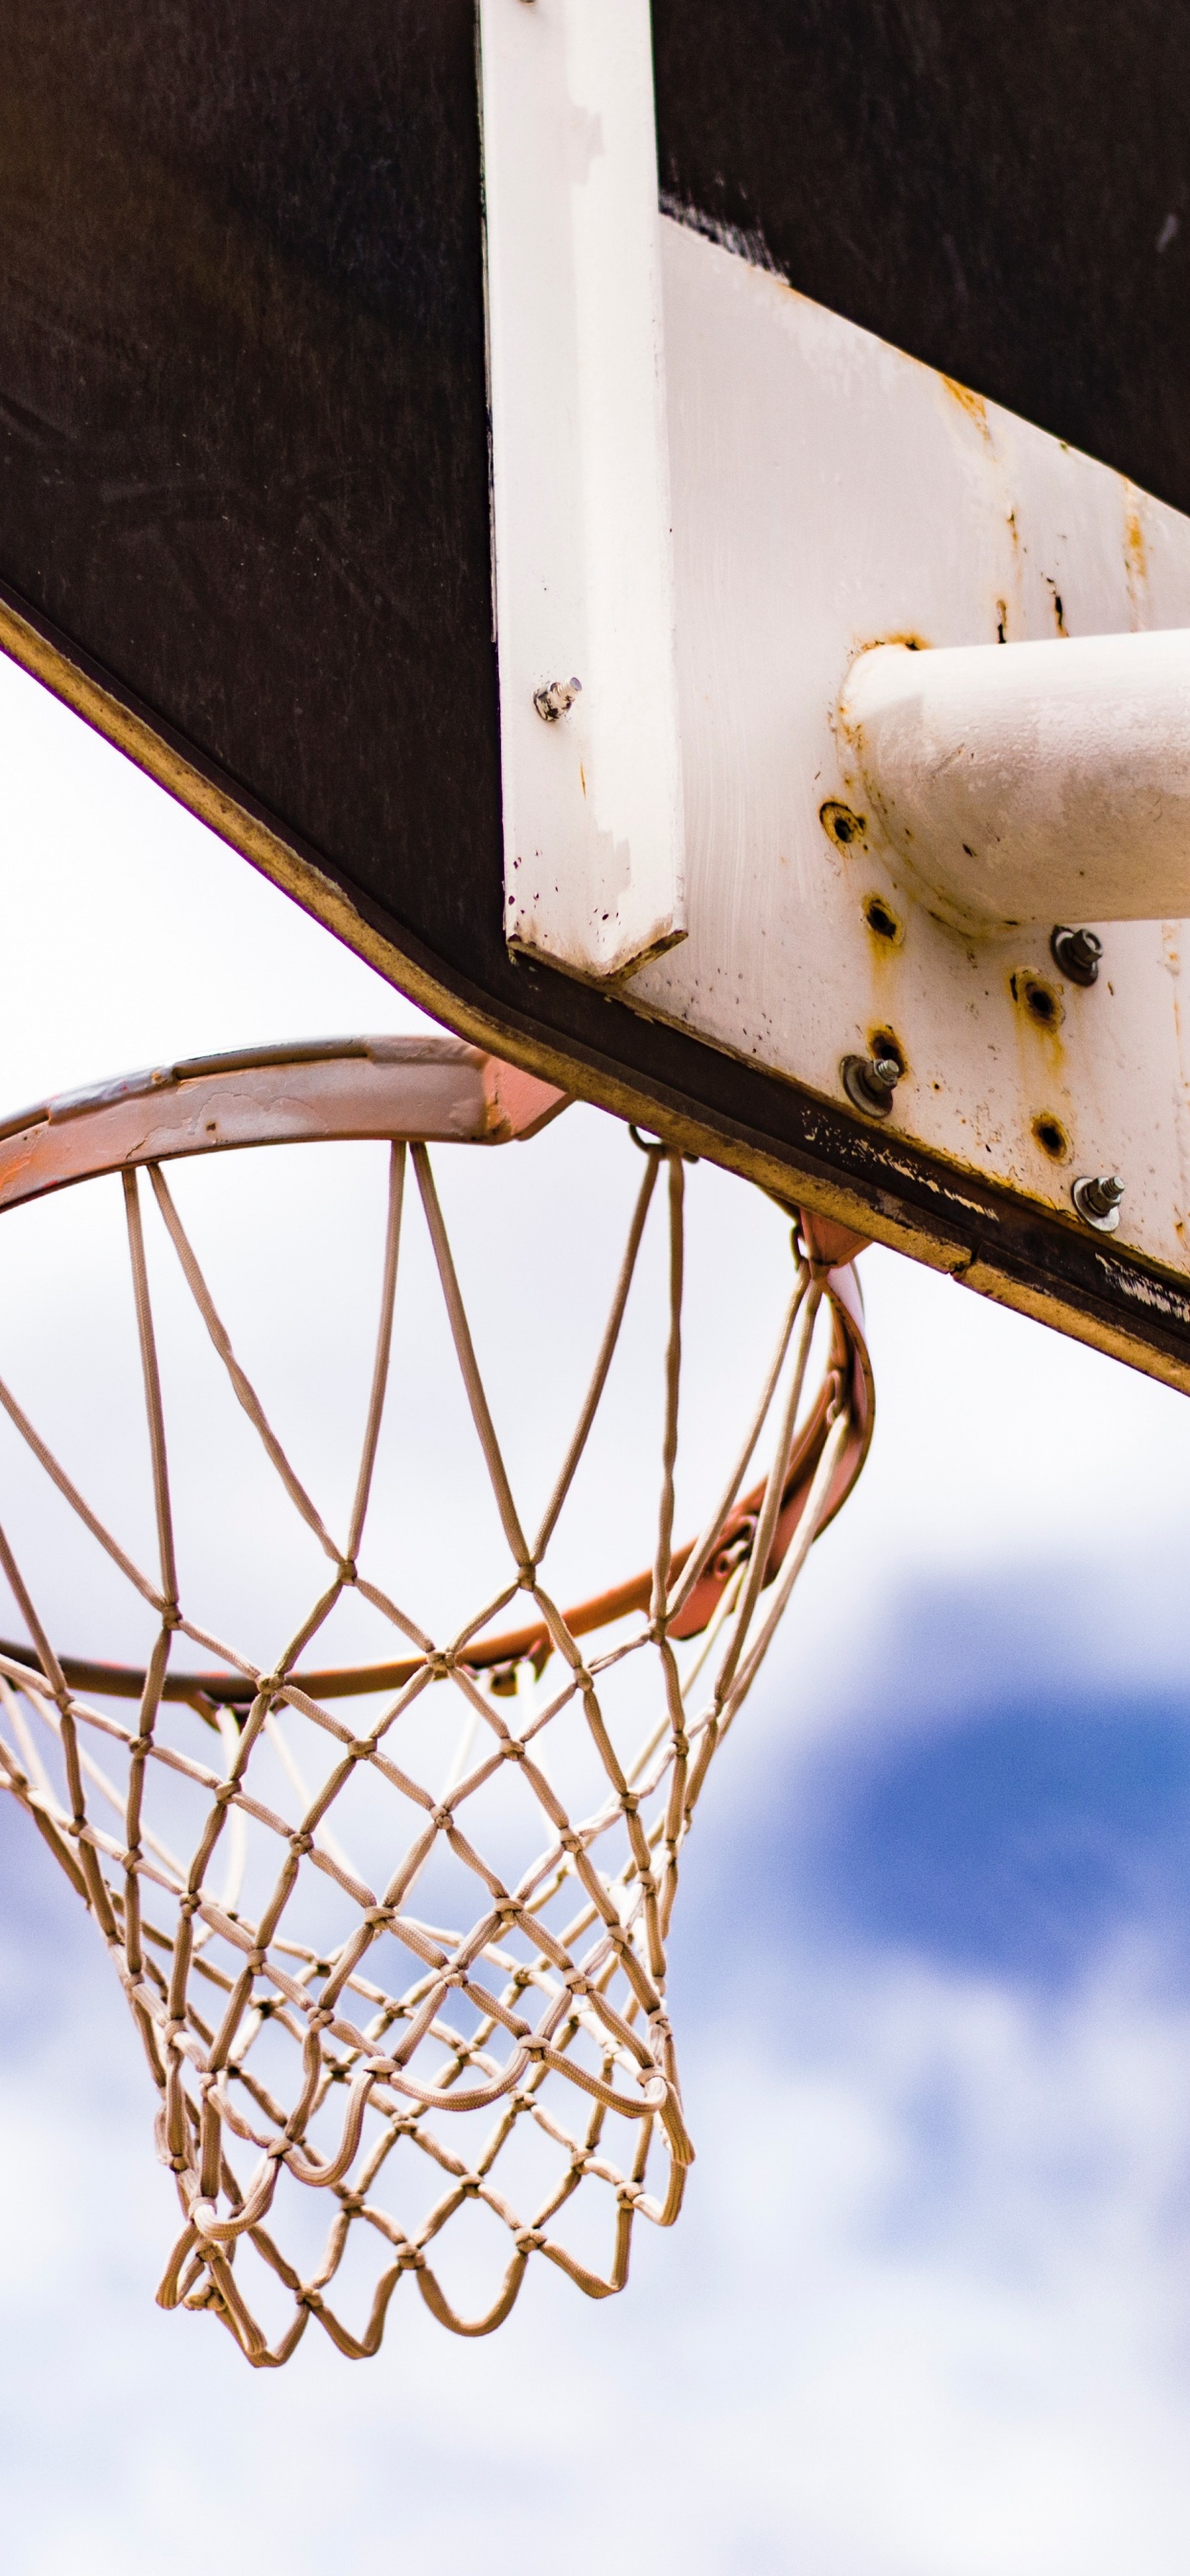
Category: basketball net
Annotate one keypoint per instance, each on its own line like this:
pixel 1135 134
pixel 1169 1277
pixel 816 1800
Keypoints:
pixel 517 2058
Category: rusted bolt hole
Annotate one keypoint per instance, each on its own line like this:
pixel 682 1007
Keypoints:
pixel 881 918
pixel 883 1043
pixel 1038 999
pixel 1052 1137
pixel 840 824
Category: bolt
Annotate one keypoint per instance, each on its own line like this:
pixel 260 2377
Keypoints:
pixel 1076 953
pixel 870 1081
pixel 556 700
pixel 1098 1200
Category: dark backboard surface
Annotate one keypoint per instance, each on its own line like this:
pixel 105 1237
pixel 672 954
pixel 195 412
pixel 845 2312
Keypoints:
pixel 1001 187
pixel 243 442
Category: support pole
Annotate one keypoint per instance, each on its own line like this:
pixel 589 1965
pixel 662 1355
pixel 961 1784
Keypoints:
pixel 1031 782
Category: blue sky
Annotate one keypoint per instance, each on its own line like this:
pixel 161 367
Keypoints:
pixel 928 2306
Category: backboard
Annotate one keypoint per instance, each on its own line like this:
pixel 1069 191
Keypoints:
pixel 261 371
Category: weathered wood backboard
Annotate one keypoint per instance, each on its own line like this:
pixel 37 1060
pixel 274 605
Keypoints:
pixel 245 529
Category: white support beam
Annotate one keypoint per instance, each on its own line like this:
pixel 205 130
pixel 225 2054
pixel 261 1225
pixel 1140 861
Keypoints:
pixel 593 831
pixel 1033 782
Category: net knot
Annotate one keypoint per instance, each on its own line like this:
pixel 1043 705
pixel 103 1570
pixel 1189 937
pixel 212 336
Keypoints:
pixel 139 1746
pixel 443 1818
pixel 348 1570
pixel 226 1791
pixel 512 1749
pixel 300 1844
pixel 188 1904
pixel 530 2240
pixel 526 1575
pixel 171 1616
pixel 256 1963
pixel 362 1748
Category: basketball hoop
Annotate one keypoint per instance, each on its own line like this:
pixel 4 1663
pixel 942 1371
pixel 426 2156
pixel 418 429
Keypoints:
pixel 320 2040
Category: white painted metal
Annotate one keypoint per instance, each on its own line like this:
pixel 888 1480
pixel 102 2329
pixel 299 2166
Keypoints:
pixel 1032 782
pixel 830 494
pixel 584 585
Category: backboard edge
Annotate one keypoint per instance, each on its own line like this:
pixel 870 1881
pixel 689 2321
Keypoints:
pixel 1013 1252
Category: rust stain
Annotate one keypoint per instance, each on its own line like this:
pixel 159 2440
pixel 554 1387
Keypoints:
pixel 1136 553
pixel 1051 1135
pixel 913 643
pixel 1041 1063
pixel 973 404
pixel 886 930
pixel 884 1041
pixel 1059 611
pixel 1037 1002
pixel 841 824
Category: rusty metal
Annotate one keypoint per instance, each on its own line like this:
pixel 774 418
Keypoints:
pixel 437 1088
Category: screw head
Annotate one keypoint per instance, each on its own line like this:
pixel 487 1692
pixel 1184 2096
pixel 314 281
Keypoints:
pixel 1076 953
pixel 556 699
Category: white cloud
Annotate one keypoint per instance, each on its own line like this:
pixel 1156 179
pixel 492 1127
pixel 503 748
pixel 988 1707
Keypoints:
pixel 925 2315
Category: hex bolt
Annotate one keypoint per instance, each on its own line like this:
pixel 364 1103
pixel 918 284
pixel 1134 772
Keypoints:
pixel 1098 1200
pixel 1076 953
pixel 870 1081
pixel 556 700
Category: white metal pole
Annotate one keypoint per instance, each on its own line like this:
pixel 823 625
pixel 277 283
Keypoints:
pixel 1041 782
pixel 594 850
